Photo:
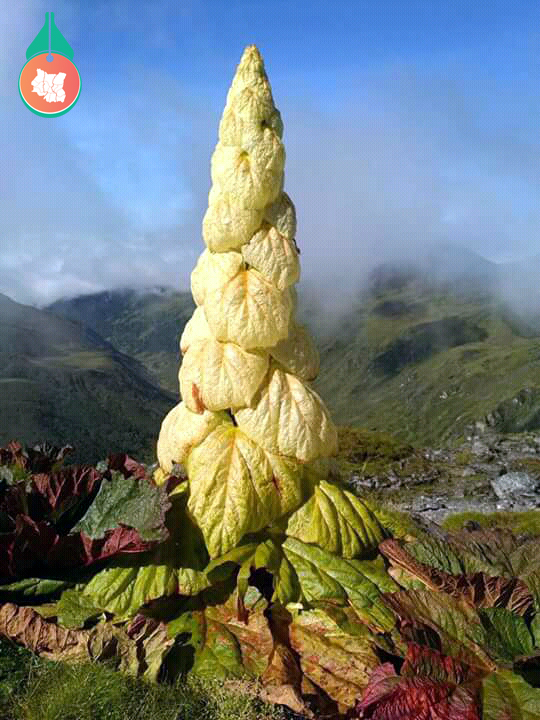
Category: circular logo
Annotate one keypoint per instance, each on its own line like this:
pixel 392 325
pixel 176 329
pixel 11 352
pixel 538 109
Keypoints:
pixel 48 88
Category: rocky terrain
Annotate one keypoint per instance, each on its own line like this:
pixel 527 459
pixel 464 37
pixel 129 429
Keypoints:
pixel 490 472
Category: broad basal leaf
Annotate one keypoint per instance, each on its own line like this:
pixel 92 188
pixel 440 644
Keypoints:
pixel 507 634
pixel 248 311
pixel 225 375
pixel 34 587
pixel 217 569
pixel 398 524
pixel 338 663
pixel 525 561
pixel 289 418
pixel 270 555
pixel 237 488
pixel 441 555
pixel 297 353
pixel 41 458
pixel 224 646
pixel 392 697
pixel 122 463
pixel 27 627
pixel 135 503
pixel 149 645
pixel 176 566
pixel 182 430
pixel 337 521
pixel 124 588
pixel 36 547
pixel 273 255
pixel 481 590
pixel 325 577
pixel 422 660
pixel 74 609
pixel 53 495
pixel 455 622
pixel 506 696
pixel 138 651
pixel 267 554
pixel 489 546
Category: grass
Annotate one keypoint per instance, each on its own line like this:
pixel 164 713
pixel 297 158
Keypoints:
pixel 526 522
pixel 32 688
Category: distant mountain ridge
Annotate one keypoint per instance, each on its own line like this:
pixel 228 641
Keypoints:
pixel 428 348
pixel 61 382
pixel 144 324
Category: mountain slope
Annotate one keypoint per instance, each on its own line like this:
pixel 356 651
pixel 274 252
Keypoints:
pixel 426 366
pixel 61 382
pixel 428 348
pixel 144 325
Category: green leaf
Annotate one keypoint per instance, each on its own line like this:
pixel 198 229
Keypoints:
pixel 326 577
pixel 507 634
pixel 399 524
pixel 506 696
pixel 176 566
pixel 137 503
pixel 337 521
pixel 267 554
pixel 122 590
pixel 270 555
pixel 219 568
pixel 526 564
pixel 226 647
pixel 336 661
pixel 35 587
pixel 441 555
pixel 535 629
pixel 456 623
pixel 74 608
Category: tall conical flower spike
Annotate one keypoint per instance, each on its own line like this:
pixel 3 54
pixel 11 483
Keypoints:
pixel 250 430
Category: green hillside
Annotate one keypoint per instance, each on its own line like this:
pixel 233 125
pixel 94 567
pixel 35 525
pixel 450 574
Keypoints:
pixel 424 352
pixel 61 382
pixel 425 364
pixel 146 326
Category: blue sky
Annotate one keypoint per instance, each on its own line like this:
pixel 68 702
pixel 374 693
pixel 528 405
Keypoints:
pixel 405 123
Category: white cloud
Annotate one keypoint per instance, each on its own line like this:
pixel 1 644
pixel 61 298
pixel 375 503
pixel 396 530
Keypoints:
pixel 113 193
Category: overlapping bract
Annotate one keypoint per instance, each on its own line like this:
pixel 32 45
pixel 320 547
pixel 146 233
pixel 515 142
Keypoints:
pixel 249 421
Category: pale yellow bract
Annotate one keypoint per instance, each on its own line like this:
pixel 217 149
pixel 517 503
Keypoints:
pixel 196 328
pixel 226 375
pixel 254 437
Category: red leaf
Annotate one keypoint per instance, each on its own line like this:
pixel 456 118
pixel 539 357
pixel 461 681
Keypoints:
pixel 126 465
pixel 478 589
pixel 392 697
pixel 64 487
pixel 423 660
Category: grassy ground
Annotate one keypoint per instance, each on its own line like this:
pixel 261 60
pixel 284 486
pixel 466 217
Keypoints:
pixel 35 689
pixel 526 522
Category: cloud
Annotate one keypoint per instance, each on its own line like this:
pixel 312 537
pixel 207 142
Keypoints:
pixel 113 193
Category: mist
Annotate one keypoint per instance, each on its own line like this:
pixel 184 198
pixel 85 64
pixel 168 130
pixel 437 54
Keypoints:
pixel 398 159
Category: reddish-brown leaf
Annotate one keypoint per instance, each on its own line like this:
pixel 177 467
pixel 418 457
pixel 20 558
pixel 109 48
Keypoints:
pixel 479 589
pixel 126 465
pixel 393 697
